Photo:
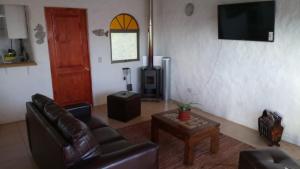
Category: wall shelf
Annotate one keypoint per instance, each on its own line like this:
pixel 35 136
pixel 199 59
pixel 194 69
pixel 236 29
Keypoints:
pixel 21 64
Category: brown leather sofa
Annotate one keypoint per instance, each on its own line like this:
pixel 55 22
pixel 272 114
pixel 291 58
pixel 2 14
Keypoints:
pixel 60 139
pixel 266 159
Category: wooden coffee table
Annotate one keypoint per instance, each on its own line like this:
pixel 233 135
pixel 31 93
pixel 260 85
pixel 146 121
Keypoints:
pixel 191 132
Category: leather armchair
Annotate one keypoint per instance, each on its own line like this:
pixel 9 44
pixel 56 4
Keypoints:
pixel 74 139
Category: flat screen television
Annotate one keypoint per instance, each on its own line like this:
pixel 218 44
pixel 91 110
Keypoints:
pixel 252 21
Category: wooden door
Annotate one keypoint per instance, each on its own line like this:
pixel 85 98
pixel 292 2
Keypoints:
pixel 69 55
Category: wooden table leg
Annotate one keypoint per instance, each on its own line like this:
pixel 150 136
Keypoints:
pixel 154 131
pixel 214 141
pixel 188 153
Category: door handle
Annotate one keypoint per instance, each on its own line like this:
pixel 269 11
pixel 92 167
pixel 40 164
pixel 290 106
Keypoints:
pixel 86 68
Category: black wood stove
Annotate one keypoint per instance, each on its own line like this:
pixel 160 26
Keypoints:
pixel 151 83
pixel 151 88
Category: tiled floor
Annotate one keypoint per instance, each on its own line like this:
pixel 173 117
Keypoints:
pixel 14 150
pixel 15 154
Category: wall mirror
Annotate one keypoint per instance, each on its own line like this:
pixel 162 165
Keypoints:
pixel 15 46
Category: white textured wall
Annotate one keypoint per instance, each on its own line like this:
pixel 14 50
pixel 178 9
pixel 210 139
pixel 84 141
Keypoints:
pixel 18 84
pixel 234 79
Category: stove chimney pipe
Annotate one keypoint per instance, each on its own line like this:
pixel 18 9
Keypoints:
pixel 150 35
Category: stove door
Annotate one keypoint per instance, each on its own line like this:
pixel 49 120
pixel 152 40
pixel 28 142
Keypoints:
pixel 150 79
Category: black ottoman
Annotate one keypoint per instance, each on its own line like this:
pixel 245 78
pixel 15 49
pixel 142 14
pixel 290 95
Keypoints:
pixel 124 106
pixel 266 159
pixel 81 111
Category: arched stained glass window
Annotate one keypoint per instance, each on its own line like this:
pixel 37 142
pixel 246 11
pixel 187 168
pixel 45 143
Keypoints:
pixel 124 37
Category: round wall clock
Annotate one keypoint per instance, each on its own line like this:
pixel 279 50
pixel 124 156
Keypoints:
pixel 189 9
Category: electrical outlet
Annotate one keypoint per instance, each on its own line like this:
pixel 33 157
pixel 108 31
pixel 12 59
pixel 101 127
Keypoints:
pixel 271 36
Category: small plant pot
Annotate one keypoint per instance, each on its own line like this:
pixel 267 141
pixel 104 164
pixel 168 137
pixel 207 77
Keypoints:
pixel 184 115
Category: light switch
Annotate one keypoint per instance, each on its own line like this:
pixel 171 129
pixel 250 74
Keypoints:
pixel 99 59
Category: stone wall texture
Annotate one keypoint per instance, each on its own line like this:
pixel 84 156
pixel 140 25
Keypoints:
pixel 236 80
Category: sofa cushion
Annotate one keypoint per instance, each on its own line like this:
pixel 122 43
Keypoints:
pixel 114 146
pixel 53 111
pixel 84 148
pixel 106 134
pixel 71 128
pixel 95 123
pixel 40 101
pixel 83 143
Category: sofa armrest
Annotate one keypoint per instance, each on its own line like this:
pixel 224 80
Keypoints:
pixel 81 111
pixel 141 156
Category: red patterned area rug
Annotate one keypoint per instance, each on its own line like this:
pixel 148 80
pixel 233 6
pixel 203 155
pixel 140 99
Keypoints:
pixel 172 149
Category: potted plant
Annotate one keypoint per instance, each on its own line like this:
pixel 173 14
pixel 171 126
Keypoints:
pixel 184 110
